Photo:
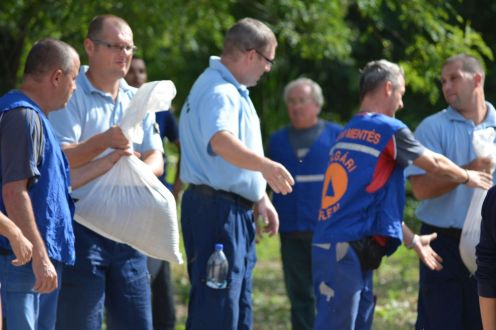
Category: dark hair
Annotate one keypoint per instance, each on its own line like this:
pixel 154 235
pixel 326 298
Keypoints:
pixel 47 55
pixel 246 34
pixel 375 73
pixel 96 24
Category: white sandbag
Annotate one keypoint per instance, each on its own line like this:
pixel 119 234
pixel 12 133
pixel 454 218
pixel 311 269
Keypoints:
pixel 129 204
pixel 484 146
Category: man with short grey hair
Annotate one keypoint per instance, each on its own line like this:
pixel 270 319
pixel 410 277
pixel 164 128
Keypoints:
pixel 223 162
pixel 360 218
pixel 303 148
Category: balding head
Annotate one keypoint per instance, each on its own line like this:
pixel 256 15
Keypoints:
pixel 48 55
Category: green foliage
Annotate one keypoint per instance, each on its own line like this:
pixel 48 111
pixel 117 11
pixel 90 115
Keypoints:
pixel 327 41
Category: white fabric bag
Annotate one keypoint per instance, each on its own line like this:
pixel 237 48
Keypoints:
pixel 484 146
pixel 129 204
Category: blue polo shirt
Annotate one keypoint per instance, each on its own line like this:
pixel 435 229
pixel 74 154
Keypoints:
pixel 217 102
pixel 450 134
pixel 91 111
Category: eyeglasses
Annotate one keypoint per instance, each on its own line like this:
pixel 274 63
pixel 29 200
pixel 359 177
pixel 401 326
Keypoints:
pixel 115 47
pixel 271 62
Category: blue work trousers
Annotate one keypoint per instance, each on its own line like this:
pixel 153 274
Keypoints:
pixel 23 308
pixel 343 292
pixel 207 220
pixel 447 298
pixel 107 274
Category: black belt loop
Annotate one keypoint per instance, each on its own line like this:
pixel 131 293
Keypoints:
pixel 209 191
pixel 454 233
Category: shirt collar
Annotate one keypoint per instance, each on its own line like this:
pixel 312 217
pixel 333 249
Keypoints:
pixel 489 121
pixel 88 87
pixel 217 65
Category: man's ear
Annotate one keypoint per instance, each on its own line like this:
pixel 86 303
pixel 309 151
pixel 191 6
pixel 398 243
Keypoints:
pixel 477 79
pixel 56 76
pixel 89 46
pixel 388 88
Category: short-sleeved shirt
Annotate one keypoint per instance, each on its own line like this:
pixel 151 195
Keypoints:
pixel 91 111
pixel 217 102
pixel 23 157
pixel 450 134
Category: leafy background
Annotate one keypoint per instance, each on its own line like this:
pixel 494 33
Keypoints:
pixel 326 40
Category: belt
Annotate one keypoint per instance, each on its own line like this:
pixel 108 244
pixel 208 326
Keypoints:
pixel 454 233
pixel 209 191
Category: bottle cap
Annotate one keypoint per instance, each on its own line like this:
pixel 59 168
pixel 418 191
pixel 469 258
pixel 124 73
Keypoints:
pixel 219 246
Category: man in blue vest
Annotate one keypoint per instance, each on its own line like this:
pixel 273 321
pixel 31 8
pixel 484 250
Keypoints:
pixel 303 148
pixel 35 185
pixel 360 219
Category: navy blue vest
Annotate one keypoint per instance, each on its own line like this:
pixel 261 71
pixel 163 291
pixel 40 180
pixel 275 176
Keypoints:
pixel 351 209
pixel 298 210
pixel 52 206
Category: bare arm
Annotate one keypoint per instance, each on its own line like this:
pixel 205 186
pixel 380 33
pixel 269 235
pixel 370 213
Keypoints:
pixel 233 151
pixel 22 247
pixel 155 160
pixel 84 174
pixel 81 153
pixel 488 312
pixel 19 208
pixel 443 176
pixel 178 184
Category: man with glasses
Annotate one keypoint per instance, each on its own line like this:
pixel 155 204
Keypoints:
pixel 223 162
pixel 106 273
pixel 303 148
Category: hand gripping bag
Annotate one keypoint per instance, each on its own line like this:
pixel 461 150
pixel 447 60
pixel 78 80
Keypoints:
pixel 129 204
pixel 484 146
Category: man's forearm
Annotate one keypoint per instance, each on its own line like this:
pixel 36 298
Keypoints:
pixel 20 211
pixel 155 160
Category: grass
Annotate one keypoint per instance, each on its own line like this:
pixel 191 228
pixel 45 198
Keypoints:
pixel 395 284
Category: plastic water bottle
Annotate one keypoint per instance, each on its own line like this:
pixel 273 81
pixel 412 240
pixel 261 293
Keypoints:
pixel 217 267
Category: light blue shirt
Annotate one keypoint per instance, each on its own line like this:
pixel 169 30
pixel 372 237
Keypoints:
pixel 217 102
pixel 450 134
pixel 91 111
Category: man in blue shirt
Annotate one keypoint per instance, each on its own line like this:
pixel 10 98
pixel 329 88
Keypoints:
pixel 444 205
pixel 360 219
pixel 106 273
pixel 303 148
pixel 35 185
pixel 223 162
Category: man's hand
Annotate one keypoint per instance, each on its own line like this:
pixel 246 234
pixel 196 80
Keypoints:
pixel 22 247
pixel 115 138
pixel 480 164
pixel 265 210
pixel 45 275
pixel 278 178
pixel 428 256
pixel 478 179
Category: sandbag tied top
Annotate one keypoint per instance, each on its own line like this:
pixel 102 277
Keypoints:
pixel 153 96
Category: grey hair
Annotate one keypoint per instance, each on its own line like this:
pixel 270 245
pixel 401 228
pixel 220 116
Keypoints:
pixel 47 55
pixel 315 90
pixel 246 34
pixel 375 73
pixel 469 63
